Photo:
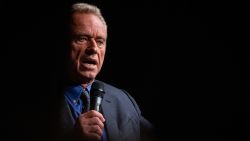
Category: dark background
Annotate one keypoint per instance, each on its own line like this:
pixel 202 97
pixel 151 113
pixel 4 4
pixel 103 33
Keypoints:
pixel 186 64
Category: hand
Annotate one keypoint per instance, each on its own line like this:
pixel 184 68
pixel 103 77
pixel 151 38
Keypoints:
pixel 90 125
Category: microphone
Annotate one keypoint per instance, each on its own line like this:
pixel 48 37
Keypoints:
pixel 96 95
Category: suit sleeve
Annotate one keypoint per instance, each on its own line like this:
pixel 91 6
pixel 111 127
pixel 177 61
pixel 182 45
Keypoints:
pixel 146 128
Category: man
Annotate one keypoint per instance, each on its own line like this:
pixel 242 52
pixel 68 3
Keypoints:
pixel 119 118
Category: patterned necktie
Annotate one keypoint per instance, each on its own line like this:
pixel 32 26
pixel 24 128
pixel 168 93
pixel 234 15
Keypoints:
pixel 85 101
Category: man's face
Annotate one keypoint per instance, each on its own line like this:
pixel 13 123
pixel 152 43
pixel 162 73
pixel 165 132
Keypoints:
pixel 88 46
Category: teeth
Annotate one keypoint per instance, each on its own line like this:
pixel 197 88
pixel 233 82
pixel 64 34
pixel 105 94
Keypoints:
pixel 89 62
pixel 89 65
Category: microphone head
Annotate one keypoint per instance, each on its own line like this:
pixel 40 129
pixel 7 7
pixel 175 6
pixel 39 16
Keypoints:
pixel 96 95
pixel 97 89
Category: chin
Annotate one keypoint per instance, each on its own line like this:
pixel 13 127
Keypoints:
pixel 88 77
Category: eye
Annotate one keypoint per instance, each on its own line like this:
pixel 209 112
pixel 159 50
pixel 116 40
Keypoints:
pixel 100 42
pixel 81 39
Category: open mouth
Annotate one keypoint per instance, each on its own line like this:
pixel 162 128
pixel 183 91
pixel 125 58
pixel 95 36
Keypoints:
pixel 89 64
pixel 89 61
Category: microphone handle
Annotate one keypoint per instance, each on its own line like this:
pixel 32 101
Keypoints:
pixel 97 104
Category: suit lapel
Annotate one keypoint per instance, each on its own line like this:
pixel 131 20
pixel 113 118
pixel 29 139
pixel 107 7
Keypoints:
pixel 109 113
pixel 66 119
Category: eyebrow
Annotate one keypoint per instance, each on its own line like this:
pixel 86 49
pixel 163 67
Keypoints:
pixel 83 34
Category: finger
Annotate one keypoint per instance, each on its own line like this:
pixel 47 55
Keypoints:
pixel 93 113
pixel 96 121
pixel 91 121
pixel 91 133
pixel 95 129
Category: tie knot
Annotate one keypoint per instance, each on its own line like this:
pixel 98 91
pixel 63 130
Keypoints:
pixel 85 92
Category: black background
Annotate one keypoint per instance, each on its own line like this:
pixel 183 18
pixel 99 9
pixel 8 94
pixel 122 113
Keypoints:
pixel 186 63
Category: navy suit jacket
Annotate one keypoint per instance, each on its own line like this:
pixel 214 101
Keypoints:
pixel 124 121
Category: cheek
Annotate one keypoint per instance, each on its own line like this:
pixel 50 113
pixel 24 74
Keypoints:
pixel 102 55
pixel 75 51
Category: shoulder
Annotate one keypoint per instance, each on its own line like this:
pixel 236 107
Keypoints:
pixel 112 90
pixel 120 95
pixel 108 87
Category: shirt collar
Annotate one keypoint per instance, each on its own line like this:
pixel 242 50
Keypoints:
pixel 74 91
pixel 89 87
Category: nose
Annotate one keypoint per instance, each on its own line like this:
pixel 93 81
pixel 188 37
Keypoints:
pixel 92 47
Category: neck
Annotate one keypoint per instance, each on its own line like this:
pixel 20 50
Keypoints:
pixel 85 85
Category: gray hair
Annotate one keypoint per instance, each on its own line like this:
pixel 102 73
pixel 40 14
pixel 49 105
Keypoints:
pixel 88 8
